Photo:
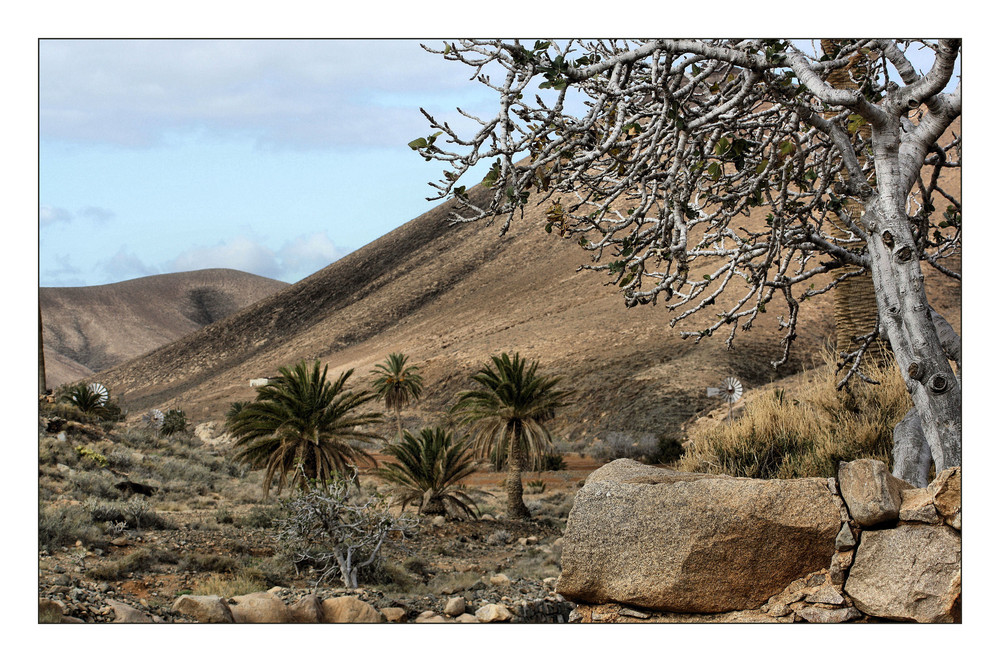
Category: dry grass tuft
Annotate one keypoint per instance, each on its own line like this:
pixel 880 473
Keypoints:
pixel 808 432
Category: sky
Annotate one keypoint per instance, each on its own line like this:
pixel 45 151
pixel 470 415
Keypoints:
pixel 273 156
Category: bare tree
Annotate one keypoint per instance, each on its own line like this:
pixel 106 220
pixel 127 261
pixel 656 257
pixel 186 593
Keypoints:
pixel 678 139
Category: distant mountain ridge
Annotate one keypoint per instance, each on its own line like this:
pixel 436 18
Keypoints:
pixel 89 329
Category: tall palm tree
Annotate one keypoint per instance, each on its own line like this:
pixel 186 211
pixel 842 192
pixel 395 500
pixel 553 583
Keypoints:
pixel 396 385
pixel 303 424
pixel 427 470
pixel 507 416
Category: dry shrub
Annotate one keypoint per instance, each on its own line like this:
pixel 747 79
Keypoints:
pixel 243 582
pixel 142 560
pixel 806 433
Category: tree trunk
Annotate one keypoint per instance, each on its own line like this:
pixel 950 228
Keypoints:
pixel 903 310
pixel 399 423
pixel 515 491
pixel 911 455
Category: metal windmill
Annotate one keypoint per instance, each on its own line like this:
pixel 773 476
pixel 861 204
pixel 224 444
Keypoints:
pixel 100 391
pixel 153 419
pixel 731 391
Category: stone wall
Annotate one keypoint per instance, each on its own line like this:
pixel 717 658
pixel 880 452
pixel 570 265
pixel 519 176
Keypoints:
pixel 650 544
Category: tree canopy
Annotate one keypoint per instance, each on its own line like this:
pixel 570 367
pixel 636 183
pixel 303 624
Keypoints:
pixel 651 154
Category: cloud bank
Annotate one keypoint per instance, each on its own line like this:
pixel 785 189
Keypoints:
pixel 299 94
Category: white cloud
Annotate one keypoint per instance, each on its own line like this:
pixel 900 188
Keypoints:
pixel 96 214
pixel 298 93
pixel 307 254
pixel 48 216
pixel 63 275
pixel 125 265
pixel 296 259
pixel 240 253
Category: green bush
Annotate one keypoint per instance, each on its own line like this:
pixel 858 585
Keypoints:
pixel 552 462
pixel 174 421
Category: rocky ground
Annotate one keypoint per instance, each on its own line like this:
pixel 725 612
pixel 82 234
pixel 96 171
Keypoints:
pixel 484 562
pixel 221 539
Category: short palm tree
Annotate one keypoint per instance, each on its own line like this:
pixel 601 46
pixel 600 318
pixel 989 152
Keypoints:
pixel 303 424
pixel 88 400
pixel 397 385
pixel 507 416
pixel 427 470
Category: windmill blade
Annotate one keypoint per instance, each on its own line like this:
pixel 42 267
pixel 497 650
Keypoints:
pixel 100 391
pixel 153 418
pixel 732 389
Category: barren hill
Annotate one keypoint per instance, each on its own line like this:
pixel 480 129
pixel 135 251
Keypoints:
pixel 449 296
pixel 88 329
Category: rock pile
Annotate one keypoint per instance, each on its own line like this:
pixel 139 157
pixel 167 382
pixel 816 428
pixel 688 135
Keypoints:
pixel 865 546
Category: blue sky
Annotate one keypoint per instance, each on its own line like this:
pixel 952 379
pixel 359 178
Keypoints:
pixel 270 156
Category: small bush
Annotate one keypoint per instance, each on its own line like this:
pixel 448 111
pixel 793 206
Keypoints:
pixel 88 484
pixel 499 537
pixel 136 513
pixel 61 526
pixel 174 421
pixel 223 515
pixel 336 534
pixel 197 562
pixel 141 560
pixel 120 459
pixel 91 457
pixel 136 437
pixel 259 517
pixel 552 462
pixel 243 582
pixel 534 487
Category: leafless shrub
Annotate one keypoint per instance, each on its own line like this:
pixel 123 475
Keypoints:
pixel 335 533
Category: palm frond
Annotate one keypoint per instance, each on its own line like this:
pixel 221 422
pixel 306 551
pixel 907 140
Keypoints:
pixel 303 424
pixel 427 469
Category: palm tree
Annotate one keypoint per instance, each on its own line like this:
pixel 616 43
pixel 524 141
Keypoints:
pixel 303 424
pixel 427 469
pixel 507 416
pixel 88 400
pixel 396 385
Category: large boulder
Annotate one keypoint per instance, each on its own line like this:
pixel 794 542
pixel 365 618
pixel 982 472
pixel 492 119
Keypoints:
pixel 128 614
pixel 204 608
pixel 872 494
pixel 307 609
pixel 348 609
pixel 910 573
pixel 260 608
pixel 693 543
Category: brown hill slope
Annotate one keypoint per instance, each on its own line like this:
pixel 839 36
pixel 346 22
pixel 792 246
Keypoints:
pixel 88 329
pixel 450 296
